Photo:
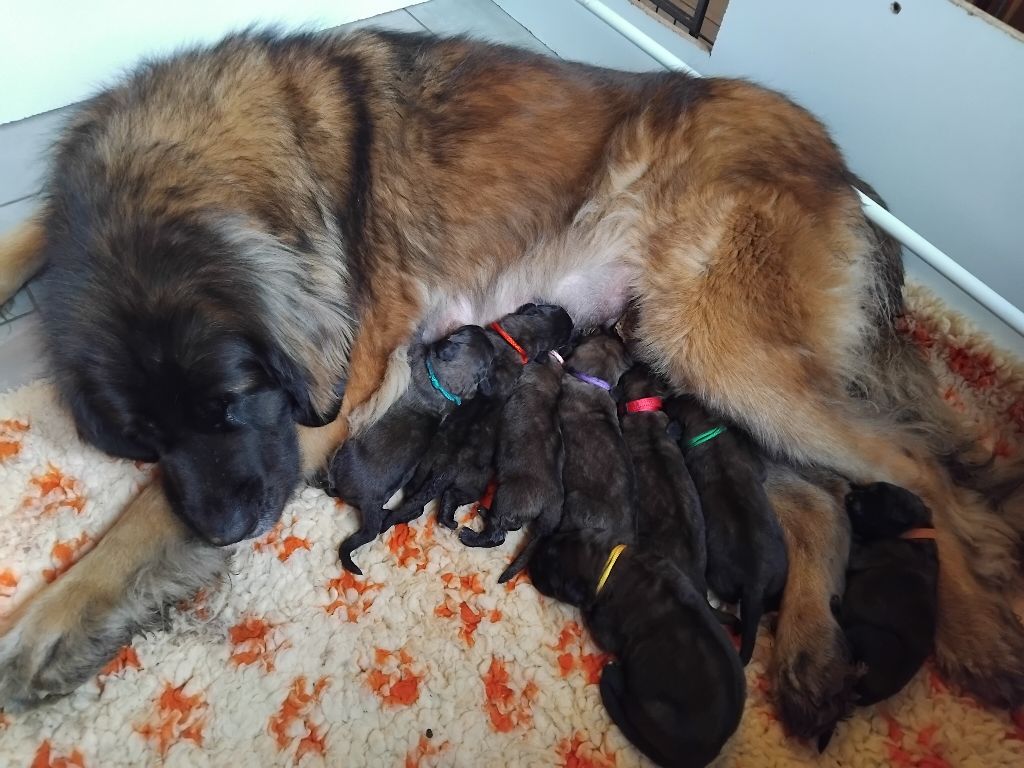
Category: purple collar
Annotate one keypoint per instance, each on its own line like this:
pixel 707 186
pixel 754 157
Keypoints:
pixel 590 379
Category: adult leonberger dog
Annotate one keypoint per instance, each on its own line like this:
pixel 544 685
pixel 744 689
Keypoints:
pixel 244 238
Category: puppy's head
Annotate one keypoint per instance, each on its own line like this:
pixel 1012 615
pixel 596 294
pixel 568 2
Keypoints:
pixel 462 360
pixel 168 348
pixel 884 511
pixel 601 354
pixel 538 327
pixel 565 566
pixel 639 382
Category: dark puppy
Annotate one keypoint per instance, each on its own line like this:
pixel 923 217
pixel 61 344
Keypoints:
pixel 528 463
pixel 459 463
pixel 668 511
pixel 676 689
pixel 888 611
pixel 746 552
pixel 374 464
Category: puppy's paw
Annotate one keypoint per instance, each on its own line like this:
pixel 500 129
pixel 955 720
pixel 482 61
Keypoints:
pixel 814 680
pixel 55 643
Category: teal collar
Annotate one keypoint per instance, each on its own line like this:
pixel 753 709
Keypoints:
pixel 449 396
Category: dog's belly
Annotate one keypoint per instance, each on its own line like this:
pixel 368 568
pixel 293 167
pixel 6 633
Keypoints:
pixel 590 269
pixel 592 295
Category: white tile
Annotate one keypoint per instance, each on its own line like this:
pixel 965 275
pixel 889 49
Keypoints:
pixel 396 21
pixel 481 19
pixel 12 214
pixel 21 352
pixel 24 146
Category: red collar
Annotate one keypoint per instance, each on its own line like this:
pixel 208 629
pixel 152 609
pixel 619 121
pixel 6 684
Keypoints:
pixel 644 404
pixel 496 327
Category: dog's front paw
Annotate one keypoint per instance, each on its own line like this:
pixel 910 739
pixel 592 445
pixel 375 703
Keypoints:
pixel 814 679
pixel 55 643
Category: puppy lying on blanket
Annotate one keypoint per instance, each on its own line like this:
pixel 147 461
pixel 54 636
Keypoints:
pixel 669 517
pixel 676 690
pixel 888 611
pixel 458 465
pixel 528 465
pixel 370 467
pixel 746 552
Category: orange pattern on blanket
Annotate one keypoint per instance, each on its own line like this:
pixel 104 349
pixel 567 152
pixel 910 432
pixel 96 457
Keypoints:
pixel 351 595
pixel 56 491
pixel 250 643
pixel 505 709
pixel 515 581
pixel 411 544
pixel 196 604
pixel 393 678
pixel 908 748
pixel 283 546
pixel 11 438
pixel 424 749
pixel 460 593
pixel 293 719
pixel 8 582
pixel 572 654
pixel 578 752
pixel 44 758
pixel 178 717
pixel 126 658
pixel 65 554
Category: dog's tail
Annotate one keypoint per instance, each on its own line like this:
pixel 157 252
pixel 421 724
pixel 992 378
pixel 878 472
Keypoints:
pixel 751 609
pixel 21 256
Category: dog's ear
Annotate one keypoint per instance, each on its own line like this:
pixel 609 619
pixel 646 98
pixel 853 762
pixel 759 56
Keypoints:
pixel 294 382
pixel 92 430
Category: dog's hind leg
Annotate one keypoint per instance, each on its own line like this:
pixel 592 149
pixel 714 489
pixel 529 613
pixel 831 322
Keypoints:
pixel 21 256
pixel 764 315
pixel 64 635
pixel 812 669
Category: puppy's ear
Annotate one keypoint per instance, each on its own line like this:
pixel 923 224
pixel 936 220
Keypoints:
pixel 524 307
pixel 294 381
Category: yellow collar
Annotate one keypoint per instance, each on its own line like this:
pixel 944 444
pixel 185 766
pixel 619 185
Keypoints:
pixel 613 557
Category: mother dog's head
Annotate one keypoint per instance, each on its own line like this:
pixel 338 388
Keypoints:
pixel 199 344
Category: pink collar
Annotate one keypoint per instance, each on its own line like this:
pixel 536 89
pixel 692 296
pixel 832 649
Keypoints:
pixel 644 404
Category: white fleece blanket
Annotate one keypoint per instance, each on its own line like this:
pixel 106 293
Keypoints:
pixel 426 661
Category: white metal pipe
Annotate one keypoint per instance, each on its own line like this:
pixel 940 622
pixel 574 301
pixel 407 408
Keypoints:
pixel 942 263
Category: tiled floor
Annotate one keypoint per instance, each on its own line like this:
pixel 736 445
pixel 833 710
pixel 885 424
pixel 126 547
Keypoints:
pixel 23 146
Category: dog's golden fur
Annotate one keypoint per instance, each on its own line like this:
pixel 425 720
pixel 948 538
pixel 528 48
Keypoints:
pixel 382 186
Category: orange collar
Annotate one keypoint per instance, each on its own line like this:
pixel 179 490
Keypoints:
pixel 916 534
pixel 496 327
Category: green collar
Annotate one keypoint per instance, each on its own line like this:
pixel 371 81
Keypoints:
pixel 706 436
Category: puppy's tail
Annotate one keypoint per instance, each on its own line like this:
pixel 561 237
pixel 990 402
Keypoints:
pixel 751 610
pixel 21 256
pixel 520 561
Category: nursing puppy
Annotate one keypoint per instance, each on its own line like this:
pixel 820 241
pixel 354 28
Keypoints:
pixel 369 468
pixel 668 511
pixel 528 465
pixel 460 461
pixel 676 689
pixel 746 551
pixel 888 611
